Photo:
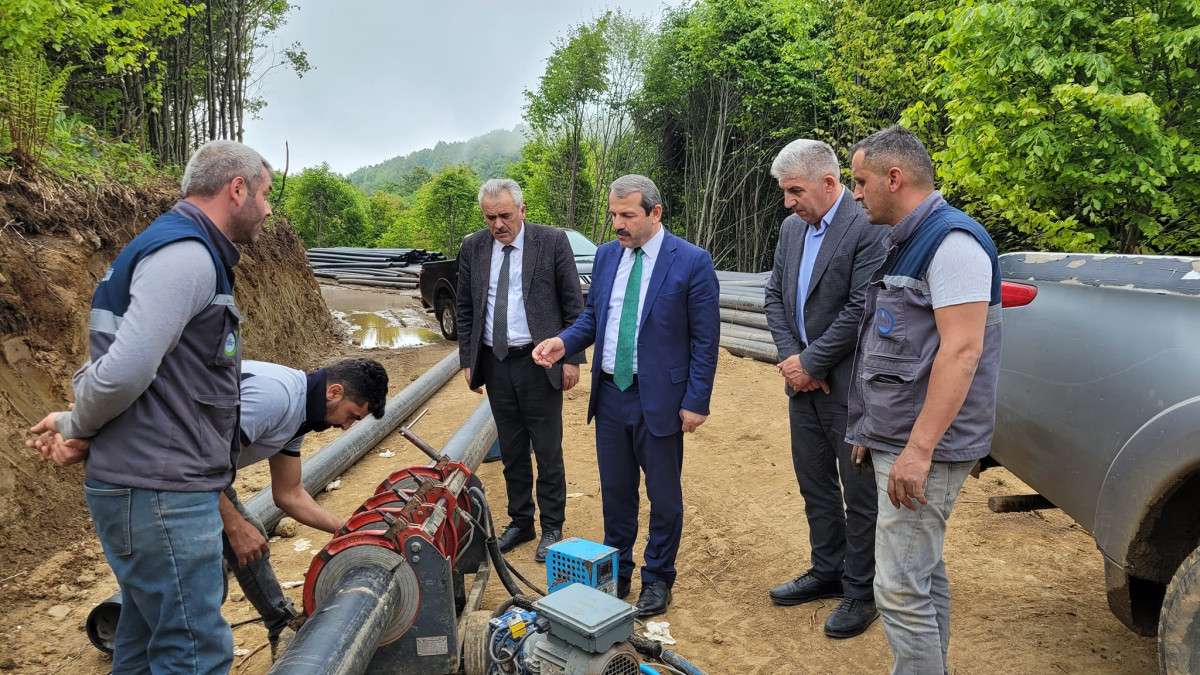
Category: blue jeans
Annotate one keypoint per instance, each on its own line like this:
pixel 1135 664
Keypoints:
pixel 165 550
pixel 912 591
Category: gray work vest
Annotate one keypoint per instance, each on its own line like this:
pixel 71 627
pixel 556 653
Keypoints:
pixel 180 434
pixel 899 340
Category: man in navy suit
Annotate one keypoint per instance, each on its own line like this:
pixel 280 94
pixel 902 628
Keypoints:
pixel 653 313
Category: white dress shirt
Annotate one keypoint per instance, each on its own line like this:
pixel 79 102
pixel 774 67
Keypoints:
pixel 612 326
pixel 518 326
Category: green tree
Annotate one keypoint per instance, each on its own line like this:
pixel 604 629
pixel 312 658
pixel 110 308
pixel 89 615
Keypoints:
pixel 1072 120
pixel 443 211
pixel 573 82
pixel 728 84
pixel 326 209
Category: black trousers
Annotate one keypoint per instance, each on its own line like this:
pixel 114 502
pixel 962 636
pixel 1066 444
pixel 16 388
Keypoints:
pixel 841 534
pixel 528 411
pixel 257 579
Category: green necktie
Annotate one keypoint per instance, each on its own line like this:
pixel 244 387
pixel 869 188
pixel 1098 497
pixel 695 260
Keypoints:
pixel 627 334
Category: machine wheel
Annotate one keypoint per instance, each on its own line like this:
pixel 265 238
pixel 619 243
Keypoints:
pixel 445 314
pixel 475 643
pixel 1179 622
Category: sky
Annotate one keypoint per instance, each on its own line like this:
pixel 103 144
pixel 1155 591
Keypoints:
pixel 393 76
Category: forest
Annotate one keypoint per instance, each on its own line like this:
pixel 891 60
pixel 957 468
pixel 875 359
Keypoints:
pixel 1067 125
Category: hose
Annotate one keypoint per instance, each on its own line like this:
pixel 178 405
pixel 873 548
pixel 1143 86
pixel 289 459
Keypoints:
pixel 654 650
pixel 678 662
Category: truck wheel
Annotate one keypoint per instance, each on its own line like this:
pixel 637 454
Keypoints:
pixel 1179 622
pixel 445 314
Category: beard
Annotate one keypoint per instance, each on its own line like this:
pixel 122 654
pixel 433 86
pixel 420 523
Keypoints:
pixel 246 224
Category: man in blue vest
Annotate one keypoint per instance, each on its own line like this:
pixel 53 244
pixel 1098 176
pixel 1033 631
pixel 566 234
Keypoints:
pixel 156 412
pixel 653 315
pixel 924 401
pixel 280 405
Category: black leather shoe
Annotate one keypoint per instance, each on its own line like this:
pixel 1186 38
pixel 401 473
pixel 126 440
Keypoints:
pixel 549 538
pixel 622 588
pixel 514 536
pixel 850 618
pixel 805 588
pixel 655 598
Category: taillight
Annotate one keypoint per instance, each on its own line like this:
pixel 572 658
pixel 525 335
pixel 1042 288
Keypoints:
pixel 1013 294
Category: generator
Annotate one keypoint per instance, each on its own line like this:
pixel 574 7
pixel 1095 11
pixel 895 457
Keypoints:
pixel 578 630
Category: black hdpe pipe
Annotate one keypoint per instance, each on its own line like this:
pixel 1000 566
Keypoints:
pixel 343 642
pixel 318 471
pixel 760 351
pixel 365 599
pixel 745 303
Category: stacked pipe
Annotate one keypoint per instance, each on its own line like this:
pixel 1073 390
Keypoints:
pixel 385 577
pixel 317 472
pixel 743 320
pixel 381 267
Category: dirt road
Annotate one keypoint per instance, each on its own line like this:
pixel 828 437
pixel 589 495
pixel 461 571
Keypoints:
pixel 1028 589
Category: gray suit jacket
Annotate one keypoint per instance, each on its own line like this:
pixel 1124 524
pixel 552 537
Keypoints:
pixel 549 288
pixel 851 251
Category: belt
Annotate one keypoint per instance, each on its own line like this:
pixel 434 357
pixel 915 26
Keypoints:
pixel 514 351
pixel 608 377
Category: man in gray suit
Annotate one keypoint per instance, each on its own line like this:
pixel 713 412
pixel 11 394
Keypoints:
pixel 814 304
pixel 517 286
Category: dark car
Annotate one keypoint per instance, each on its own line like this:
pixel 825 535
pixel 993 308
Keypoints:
pixel 439 282
pixel 1099 411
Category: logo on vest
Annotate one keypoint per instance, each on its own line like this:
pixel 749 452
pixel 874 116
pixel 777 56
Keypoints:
pixel 885 322
pixel 231 345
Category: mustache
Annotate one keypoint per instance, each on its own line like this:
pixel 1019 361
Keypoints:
pixel 622 232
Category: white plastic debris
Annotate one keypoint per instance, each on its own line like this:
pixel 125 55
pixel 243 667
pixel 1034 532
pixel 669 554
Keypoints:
pixel 301 545
pixel 659 631
pixel 387 454
pixel 333 485
pixel 241 652
pixel 292 584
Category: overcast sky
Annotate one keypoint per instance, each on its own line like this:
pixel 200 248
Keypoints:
pixel 394 76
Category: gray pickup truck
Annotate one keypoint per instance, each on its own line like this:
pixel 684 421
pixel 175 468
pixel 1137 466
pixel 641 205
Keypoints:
pixel 1099 411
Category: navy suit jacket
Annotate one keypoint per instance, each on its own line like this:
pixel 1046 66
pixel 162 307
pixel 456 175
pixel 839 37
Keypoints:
pixel 679 337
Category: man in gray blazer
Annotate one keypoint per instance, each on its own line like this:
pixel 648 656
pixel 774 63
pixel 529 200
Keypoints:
pixel 826 254
pixel 517 286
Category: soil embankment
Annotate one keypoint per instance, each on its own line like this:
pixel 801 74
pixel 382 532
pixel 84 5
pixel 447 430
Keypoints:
pixel 56 241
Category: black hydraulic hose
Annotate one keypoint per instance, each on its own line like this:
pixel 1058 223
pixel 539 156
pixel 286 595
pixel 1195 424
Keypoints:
pixel 654 650
pixel 366 598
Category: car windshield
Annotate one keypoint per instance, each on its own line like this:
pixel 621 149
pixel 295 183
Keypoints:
pixel 581 246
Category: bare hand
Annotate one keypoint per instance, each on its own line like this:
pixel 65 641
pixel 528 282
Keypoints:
pixel 906 481
pixel 52 446
pixel 549 352
pixel 247 542
pixel 467 377
pixel 858 454
pixel 570 376
pixel 797 377
pixel 691 421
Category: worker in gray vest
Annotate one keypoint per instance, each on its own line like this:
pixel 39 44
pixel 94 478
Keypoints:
pixel 924 400
pixel 155 415
pixel 279 406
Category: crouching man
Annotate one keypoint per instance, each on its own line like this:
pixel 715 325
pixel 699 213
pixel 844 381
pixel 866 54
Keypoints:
pixel 279 406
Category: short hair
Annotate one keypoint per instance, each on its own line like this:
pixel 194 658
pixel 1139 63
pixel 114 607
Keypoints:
pixel 216 163
pixel 631 183
pixel 364 381
pixel 494 186
pixel 897 146
pixel 805 158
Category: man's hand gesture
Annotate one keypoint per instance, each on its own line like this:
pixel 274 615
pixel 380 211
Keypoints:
pixel 549 352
